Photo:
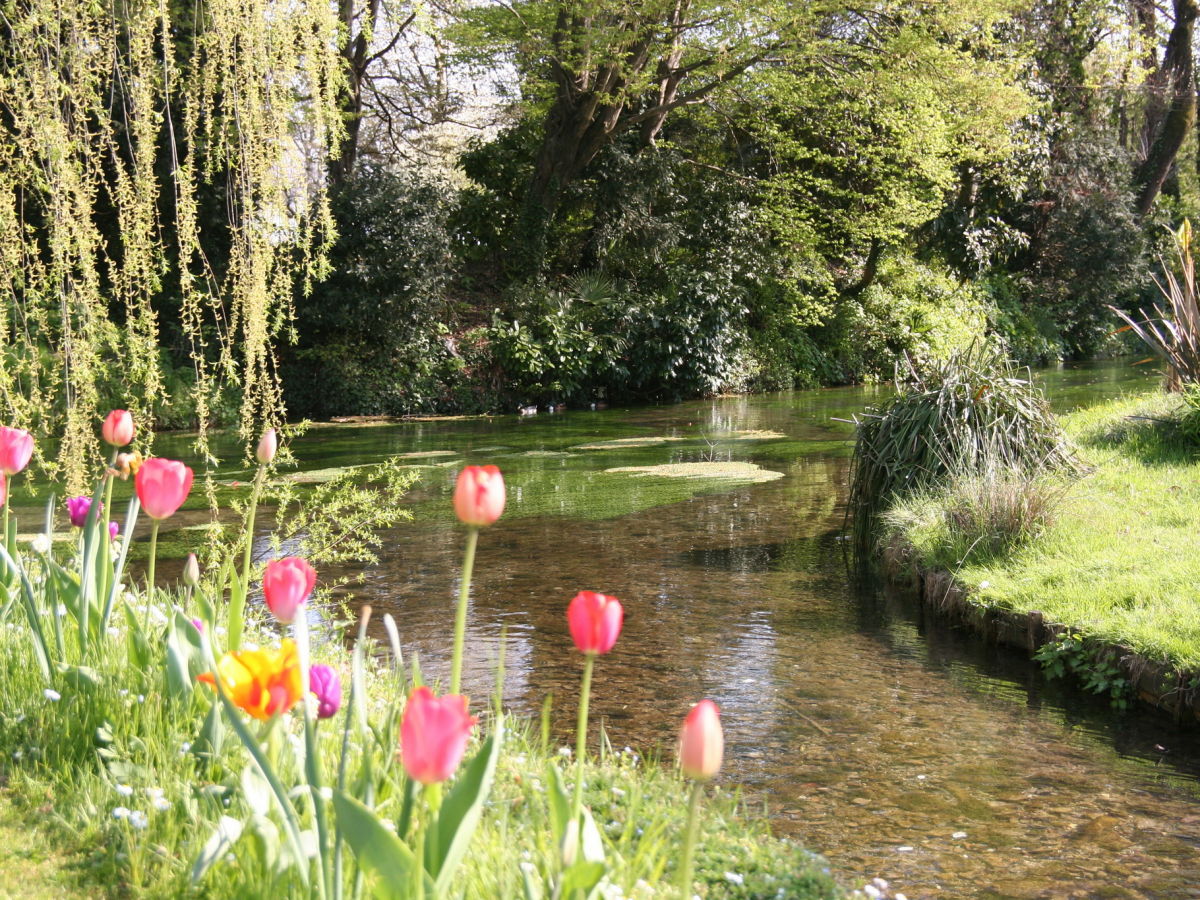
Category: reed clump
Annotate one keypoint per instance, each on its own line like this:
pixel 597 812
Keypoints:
pixel 973 419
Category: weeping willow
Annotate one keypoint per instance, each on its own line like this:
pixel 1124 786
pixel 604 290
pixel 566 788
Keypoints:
pixel 120 121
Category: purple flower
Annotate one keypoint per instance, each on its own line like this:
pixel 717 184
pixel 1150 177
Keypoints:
pixel 113 530
pixel 326 685
pixel 77 509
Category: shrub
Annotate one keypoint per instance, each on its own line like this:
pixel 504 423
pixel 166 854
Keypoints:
pixel 371 336
pixel 969 414
pixel 1174 335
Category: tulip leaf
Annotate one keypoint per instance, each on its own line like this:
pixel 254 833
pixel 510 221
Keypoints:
pixel 80 677
pixel 256 790
pixel 224 836
pixel 266 836
pixel 184 656
pixel 581 878
pixel 560 803
pixel 211 738
pixel 463 808
pixel 388 861
pixel 32 613
pixel 139 644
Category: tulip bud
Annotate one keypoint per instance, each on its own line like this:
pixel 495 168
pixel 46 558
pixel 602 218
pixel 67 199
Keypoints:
pixel 191 571
pixel 433 735
pixel 118 428
pixel 595 621
pixel 113 530
pixel 267 446
pixel 479 495
pixel 16 446
pixel 286 585
pixel 701 742
pixel 326 685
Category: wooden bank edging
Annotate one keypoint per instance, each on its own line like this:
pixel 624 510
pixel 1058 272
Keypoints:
pixel 1154 683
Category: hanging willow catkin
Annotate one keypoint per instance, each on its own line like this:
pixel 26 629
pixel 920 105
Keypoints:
pixel 126 110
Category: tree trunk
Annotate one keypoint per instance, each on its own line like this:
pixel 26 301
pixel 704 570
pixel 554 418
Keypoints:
pixel 1175 84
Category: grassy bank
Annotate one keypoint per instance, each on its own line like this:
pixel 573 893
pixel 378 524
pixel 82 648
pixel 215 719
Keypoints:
pixel 1114 553
pixel 107 774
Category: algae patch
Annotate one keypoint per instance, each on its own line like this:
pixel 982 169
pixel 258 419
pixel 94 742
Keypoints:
pixel 754 435
pixel 743 472
pixel 628 443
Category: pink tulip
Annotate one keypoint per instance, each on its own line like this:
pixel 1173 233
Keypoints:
pixel 286 585
pixel 479 495
pixel 162 486
pixel 16 446
pixel 701 742
pixel 113 530
pixel 433 735
pixel 118 428
pixel 326 685
pixel 78 509
pixel 595 621
pixel 267 446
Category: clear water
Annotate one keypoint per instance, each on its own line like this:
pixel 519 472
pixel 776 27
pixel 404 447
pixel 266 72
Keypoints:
pixel 895 746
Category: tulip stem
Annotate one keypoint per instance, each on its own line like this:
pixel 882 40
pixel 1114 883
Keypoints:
pixel 101 514
pixel 689 846
pixel 237 602
pixel 460 618
pixel 153 558
pixel 581 735
pixel 312 762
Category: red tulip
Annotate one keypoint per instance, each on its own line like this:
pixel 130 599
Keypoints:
pixel 118 428
pixel 701 742
pixel 433 735
pixel 267 445
pixel 479 495
pixel 595 621
pixel 16 446
pixel 286 585
pixel 162 486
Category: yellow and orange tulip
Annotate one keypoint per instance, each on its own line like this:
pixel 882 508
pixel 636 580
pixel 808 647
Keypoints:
pixel 261 682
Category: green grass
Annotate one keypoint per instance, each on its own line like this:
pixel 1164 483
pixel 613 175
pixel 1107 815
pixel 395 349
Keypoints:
pixel 1119 561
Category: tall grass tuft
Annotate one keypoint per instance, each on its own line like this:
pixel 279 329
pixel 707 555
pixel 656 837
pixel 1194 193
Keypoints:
pixel 1173 334
pixel 970 414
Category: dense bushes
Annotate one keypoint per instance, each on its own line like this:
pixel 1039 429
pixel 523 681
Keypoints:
pixel 372 336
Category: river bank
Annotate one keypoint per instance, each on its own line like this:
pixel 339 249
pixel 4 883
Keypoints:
pixel 1107 590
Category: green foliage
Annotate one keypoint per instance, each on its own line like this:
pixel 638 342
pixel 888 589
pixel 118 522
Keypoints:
pixel 371 338
pixel 914 310
pixel 1072 654
pixel 968 414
